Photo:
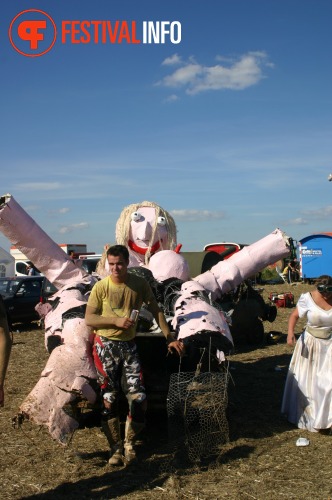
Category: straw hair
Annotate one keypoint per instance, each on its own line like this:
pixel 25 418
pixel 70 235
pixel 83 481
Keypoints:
pixel 122 229
pixel 101 266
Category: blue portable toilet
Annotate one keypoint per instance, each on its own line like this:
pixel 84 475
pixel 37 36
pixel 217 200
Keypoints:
pixel 315 254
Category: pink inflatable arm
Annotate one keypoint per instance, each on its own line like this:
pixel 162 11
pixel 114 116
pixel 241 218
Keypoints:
pixel 228 274
pixel 23 232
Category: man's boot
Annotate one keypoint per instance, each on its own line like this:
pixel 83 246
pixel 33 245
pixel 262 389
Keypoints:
pixel 111 429
pixel 131 432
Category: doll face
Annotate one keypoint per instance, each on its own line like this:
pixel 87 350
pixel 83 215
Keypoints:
pixel 141 230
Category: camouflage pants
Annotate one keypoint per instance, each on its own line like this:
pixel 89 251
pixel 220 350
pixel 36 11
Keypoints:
pixel 118 360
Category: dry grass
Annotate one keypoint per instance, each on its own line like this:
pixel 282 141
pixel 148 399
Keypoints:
pixel 261 460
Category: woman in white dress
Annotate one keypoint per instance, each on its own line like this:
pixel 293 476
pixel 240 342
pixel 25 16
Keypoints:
pixel 307 400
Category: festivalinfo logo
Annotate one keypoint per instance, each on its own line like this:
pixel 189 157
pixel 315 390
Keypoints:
pixel 33 32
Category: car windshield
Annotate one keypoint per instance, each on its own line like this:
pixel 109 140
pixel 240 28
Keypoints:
pixel 90 264
pixel 49 288
pixel 8 286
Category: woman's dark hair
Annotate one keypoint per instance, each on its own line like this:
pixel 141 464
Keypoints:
pixel 325 279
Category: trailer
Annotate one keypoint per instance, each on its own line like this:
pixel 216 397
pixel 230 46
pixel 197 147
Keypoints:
pixel 315 254
pixel 76 248
pixel 7 264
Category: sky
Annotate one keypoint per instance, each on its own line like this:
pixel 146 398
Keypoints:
pixel 227 124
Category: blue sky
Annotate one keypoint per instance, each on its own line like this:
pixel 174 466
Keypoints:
pixel 229 130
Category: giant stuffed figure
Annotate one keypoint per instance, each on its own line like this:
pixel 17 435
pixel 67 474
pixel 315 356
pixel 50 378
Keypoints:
pixel 150 234
pixel 145 228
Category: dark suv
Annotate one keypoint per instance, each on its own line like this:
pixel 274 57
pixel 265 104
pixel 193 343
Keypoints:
pixel 21 294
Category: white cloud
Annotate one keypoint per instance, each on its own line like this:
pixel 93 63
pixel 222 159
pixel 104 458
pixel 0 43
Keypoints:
pixel 61 211
pixel 196 215
pixel 298 221
pixel 72 227
pixel 236 75
pixel 172 60
pixel 319 213
pixel 36 186
pixel 32 208
pixel 183 76
pixel 171 98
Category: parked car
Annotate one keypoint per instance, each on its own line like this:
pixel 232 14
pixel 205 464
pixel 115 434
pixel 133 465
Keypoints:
pixel 47 290
pixel 21 294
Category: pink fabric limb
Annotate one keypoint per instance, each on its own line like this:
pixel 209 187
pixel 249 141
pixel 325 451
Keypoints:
pixel 64 300
pixel 23 232
pixel 70 370
pixel 76 355
pixel 192 314
pixel 45 406
pixel 228 274
pixel 196 316
pixel 66 376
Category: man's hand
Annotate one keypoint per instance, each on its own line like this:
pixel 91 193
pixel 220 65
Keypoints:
pixel 107 404
pixel 178 346
pixel 124 323
pixel 94 319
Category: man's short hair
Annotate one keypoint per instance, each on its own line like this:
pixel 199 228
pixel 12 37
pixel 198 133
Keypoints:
pixel 117 250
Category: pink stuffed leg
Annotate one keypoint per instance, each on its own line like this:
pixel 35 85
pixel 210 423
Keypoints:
pixel 23 232
pixel 66 377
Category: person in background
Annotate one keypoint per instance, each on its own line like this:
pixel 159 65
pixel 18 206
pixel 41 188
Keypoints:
pixel 31 270
pixel 307 400
pixel 72 255
pixel 108 311
pixel 5 348
pixel 285 273
pixel 293 272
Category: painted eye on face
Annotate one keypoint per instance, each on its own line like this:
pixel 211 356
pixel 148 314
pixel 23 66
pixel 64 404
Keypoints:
pixel 136 216
pixel 161 221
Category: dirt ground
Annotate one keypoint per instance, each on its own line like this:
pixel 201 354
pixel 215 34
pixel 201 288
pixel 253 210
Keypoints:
pixel 261 460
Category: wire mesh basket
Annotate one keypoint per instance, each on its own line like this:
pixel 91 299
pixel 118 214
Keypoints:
pixel 196 407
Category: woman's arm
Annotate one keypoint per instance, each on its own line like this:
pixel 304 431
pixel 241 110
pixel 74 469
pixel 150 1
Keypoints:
pixel 293 318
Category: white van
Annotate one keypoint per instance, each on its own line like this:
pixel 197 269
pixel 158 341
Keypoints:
pixel 89 262
pixel 21 268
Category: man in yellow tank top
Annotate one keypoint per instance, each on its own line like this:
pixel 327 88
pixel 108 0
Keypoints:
pixel 108 311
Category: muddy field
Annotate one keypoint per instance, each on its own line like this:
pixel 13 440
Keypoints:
pixel 261 460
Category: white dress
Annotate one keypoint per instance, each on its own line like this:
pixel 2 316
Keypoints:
pixel 307 400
